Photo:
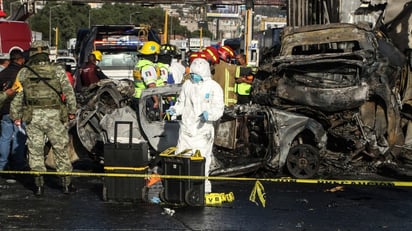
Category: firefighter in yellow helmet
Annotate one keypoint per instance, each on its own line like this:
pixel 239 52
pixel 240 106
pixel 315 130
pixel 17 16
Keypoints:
pixel 98 55
pixel 146 74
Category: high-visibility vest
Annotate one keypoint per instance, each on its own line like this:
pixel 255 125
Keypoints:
pixel 243 88
pixel 140 82
pixel 164 70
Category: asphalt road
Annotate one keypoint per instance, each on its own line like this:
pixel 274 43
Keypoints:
pixel 289 206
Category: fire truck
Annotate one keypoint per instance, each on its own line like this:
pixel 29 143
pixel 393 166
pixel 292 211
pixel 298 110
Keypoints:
pixel 15 32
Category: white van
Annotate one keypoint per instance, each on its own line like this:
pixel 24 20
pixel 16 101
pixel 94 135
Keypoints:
pixel 118 65
pixel 68 60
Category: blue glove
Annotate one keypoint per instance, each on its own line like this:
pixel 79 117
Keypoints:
pixel 205 115
pixel 171 111
pixel 155 200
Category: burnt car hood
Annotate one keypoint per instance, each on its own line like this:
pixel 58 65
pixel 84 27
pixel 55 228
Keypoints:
pixel 331 67
pixel 327 82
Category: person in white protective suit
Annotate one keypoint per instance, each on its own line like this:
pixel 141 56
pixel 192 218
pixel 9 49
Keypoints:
pixel 200 103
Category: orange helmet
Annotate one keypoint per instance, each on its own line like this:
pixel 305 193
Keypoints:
pixel 212 55
pixel 197 54
pixel 226 53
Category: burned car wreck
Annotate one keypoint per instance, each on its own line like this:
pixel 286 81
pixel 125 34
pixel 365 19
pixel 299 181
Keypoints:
pixel 247 139
pixel 112 100
pixel 347 78
pixel 327 105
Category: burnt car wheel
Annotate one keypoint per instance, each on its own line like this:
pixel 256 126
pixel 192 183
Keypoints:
pixel 303 161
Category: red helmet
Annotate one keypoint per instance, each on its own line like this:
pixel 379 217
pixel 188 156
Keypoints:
pixel 212 55
pixel 197 54
pixel 226 53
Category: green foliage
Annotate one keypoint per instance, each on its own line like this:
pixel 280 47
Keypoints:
pixel 205 33
pixel 69 18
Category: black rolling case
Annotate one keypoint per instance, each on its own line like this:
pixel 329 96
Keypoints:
pixel 183 191
pixel 124 158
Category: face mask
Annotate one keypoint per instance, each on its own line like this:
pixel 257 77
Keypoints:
pixel 196 78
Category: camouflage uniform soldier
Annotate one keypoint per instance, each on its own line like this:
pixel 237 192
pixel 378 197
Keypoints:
pixel 41 106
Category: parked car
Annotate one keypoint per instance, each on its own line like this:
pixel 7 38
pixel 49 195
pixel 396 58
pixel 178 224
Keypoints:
pixel 67 60
pixel 118 64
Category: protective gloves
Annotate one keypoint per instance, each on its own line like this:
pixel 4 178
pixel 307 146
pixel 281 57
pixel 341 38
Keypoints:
pixel 171 111
pixel 155 200
pixel 205 116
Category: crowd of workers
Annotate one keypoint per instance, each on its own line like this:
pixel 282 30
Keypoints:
pixel 38 100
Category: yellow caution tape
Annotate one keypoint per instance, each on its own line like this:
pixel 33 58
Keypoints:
pixel 113 168
pixel 217 199
pixel 260 191
pixel 227 178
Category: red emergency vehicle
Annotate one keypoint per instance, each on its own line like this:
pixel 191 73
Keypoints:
pixel 14 35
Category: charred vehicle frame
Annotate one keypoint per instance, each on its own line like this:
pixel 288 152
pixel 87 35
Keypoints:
pixel 330 100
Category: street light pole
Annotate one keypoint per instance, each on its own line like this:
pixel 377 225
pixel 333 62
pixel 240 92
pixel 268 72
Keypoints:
pixel 50 27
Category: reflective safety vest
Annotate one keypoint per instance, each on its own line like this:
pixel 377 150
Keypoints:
pixel 243 88
pixel 145 73
pixel 165 73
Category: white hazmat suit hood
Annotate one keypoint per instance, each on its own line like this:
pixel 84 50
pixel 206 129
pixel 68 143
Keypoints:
pixel 202 68
pixel 195 100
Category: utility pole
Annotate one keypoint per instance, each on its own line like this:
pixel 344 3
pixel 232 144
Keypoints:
pixel 165 32
pixel 248 28
pixel 50 26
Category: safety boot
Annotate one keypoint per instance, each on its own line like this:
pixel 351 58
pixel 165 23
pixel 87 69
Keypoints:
pixel 39 182
pixel 67 185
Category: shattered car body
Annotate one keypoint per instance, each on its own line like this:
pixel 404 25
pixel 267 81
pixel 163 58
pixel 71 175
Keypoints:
pixel 97 101
pixel 254 137
pixel 110 98
pixel 248 138
pixel 331 90
pixel 331 97
pixel 346 77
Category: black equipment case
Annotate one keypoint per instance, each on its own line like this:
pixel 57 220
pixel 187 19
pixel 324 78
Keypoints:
pixel 124 158
pixel 181 190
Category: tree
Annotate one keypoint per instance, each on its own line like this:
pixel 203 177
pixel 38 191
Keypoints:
pixel 205 33
pixel 69 18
